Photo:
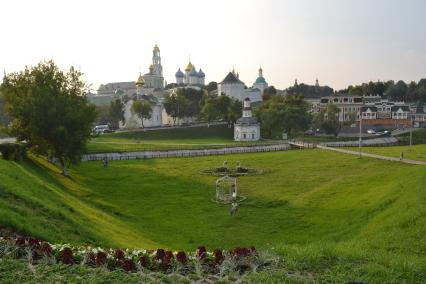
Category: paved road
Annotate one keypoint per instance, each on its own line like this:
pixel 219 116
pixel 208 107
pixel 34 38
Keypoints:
pixel 413 162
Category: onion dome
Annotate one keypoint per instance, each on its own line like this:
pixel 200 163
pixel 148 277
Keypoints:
pixel 156 48
pixel 260 80
pixel 140 81
pixel 193 73
pixel 189 67
pixel 179 74
pixel 201 74
pixel 151 68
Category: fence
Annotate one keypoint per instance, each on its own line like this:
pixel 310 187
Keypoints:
pixel 184 153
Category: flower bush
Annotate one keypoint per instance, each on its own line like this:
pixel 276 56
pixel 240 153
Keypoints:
pixel 133 260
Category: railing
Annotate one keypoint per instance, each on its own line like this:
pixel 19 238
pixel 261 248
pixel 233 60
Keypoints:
pixel 183 153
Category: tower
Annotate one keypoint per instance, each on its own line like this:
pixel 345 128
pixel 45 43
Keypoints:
pixel 156 61
pixel 247 108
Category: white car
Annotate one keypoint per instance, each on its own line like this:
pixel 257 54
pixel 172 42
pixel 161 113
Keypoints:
pixel 101 129
pixel 371 131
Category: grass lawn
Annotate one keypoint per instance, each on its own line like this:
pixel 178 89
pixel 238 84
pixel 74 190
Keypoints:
pixel 216 136
pixel 416 152
pixel 331 214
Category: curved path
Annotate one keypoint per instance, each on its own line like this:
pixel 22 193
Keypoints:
pixel 413 162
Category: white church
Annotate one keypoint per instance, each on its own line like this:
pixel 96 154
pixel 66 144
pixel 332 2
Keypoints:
pixel 191 76
pixel 247 128
pixel 233 87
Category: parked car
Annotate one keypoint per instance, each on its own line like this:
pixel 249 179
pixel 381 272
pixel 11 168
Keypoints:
pixel 371 131
pixel 101 129
pixel 309 132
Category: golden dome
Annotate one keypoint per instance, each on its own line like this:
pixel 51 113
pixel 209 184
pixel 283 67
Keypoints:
pixel 140 81
pixel 189 66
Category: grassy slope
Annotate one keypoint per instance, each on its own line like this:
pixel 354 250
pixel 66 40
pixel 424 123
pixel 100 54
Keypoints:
pixel 166 139
pixel 416 152
pixel 315 208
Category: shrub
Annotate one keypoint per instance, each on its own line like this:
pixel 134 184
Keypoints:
pixel 13 151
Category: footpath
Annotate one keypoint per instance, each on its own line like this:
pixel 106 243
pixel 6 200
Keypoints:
pixel 413 162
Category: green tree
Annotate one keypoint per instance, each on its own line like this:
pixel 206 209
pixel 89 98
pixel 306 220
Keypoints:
pixel 176 105
pixel 329 120
pixel 210 110
pixel 50 111
pixel 142 109
pixel 398 91
pixel 116 113
pixel 271 114
pixel 268 93
pixel 235 110
pixel 295 113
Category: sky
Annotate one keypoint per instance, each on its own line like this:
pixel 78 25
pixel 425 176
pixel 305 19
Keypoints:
pixel 340 42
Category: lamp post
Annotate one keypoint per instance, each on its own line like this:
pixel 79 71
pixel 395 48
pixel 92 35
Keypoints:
pixel 411 130
pixel 360 131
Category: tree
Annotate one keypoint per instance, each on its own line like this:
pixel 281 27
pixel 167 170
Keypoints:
pixel 420 92
pixel 268 93
pixel 50 111
pixel 116 113
pixel 210 110
pixel 212 86
pixel 398 91
pixel 329 120
pixel 235 110
pixel 295 115
pixel 142 109
pixel 176 105
pixel 271 113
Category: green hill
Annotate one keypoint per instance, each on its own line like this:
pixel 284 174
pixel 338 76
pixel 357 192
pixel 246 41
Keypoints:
pixel 327 214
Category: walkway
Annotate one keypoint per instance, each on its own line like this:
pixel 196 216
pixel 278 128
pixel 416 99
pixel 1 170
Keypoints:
pixel 363 154
pixel 184 153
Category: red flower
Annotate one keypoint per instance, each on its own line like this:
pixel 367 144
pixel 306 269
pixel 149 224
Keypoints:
pixel 20 242
pixel 33 242
pixel 168 257
pixel 66 256
pixel 100 258
pixel 45 248
pixel 201 252
pixel 181 257
pixel 144 261
pixel 129 265
pixel 119 254
pixel 160 254
pixel 218 256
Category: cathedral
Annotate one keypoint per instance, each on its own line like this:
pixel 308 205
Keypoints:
pixel 191 76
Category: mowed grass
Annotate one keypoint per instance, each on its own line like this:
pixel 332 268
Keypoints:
pixel 215 136
pixel 326 212
pixel 415 152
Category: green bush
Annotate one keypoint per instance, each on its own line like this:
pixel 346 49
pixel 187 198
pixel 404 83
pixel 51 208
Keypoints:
pixel 13 151
pixel 419 137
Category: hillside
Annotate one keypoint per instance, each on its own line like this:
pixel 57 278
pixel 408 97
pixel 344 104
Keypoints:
pixel 320 211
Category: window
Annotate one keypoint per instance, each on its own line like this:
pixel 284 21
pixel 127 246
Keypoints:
pixel 252 136
pixel 244 136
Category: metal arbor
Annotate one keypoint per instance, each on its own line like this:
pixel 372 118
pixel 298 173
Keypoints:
pixel 226 189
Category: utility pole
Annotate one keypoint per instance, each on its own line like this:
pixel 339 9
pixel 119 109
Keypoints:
pixel 411 130
pixel 360 131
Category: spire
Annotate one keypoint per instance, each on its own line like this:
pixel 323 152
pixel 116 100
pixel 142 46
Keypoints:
pixel 260 71
pixel 295 82
pixel 316 83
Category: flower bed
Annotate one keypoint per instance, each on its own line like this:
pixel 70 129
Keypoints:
pixel 239 260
